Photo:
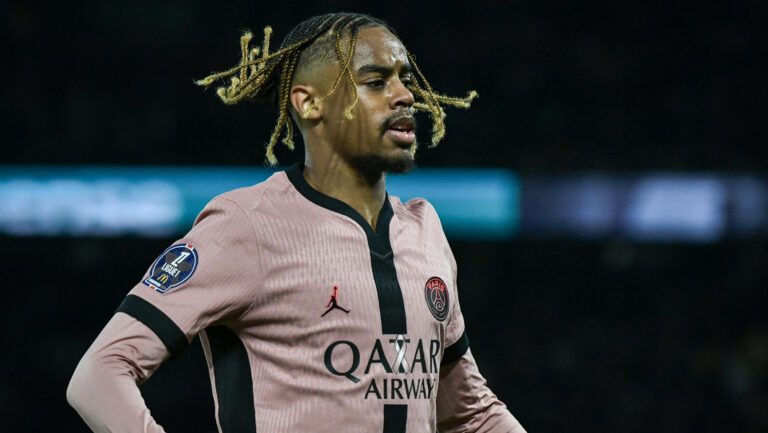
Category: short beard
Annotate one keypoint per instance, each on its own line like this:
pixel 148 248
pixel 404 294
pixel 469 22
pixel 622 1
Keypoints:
pixel 379 164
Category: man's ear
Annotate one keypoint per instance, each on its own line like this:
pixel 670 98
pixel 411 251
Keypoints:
pixel 306 102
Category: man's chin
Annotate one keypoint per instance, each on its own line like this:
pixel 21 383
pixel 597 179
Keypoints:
pixel 378 164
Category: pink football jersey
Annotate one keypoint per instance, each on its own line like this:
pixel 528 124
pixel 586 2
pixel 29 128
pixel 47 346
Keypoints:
pixel 311 321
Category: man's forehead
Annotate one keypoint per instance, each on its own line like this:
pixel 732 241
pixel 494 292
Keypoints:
pixel 378 46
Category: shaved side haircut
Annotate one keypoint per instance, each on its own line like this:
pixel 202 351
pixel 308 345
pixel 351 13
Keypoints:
pixel 262 75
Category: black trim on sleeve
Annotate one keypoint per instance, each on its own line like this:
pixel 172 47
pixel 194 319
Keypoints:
pixel 234 381
pixel 456 350
pixel 162 325
pixel 395 418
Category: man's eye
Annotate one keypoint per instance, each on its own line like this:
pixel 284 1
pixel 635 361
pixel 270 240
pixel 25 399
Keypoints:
pixel 375 83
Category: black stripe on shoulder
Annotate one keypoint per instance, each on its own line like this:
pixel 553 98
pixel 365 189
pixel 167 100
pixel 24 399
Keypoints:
pixel 456 350
pixel 162 325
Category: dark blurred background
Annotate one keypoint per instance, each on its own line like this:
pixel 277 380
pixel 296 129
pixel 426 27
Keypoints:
pixel 582 334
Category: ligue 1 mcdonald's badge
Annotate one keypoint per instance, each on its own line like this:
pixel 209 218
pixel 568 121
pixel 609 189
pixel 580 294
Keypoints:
pixel 436 293
pixel 174 267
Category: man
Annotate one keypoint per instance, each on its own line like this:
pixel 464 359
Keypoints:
pixel 253 275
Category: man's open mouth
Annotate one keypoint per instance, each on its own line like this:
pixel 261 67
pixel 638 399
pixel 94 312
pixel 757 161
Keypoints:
pixel 402 130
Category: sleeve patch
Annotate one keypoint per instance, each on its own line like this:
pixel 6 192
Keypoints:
pixel 173 268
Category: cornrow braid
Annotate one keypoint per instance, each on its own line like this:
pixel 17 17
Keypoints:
pixel 345 68
pixel 262 75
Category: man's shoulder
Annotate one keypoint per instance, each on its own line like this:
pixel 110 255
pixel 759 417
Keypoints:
pixel 249 198
pixel 241 205
pixel 415 209
pixel 420 216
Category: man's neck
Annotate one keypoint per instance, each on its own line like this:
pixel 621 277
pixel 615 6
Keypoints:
pixel 365 193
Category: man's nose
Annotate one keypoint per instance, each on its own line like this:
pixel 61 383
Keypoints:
pixel 401 96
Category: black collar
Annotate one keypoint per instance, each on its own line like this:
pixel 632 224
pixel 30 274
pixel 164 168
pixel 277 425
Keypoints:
pixel 378 241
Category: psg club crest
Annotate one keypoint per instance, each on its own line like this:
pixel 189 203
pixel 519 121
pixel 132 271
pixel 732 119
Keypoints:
pixel 174 266
pixel 436 293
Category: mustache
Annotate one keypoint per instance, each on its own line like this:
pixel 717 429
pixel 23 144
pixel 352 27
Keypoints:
pixel 397 116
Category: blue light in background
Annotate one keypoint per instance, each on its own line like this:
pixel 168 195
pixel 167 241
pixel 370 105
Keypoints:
pixel 163 201
pixel 675 207
pixel 647 207
pixel 473 204
pixel 111 201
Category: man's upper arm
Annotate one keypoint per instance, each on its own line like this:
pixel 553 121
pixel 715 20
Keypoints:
pixel 464 402
pixel 205 278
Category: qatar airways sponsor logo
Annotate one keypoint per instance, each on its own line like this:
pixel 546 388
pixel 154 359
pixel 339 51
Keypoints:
pixel 410 370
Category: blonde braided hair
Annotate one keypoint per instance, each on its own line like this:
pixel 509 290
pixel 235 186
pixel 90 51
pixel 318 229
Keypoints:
pixel 261 74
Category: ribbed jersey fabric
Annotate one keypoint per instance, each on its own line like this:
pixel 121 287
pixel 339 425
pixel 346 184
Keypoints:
pixel 310 320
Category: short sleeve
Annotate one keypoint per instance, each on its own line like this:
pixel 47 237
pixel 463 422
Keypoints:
pixel 207 277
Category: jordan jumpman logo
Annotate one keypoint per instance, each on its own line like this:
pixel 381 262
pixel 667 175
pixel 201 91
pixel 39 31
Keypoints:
pixel 332 303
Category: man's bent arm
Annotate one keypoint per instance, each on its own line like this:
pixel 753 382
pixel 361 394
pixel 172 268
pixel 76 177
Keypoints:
pixel 465 404
pixel 104 388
